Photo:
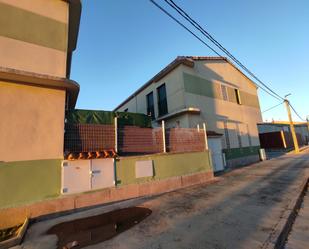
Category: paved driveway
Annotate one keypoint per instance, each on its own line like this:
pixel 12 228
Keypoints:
pixel 239 211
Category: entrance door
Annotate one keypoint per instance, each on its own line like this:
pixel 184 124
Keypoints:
pixel 215 146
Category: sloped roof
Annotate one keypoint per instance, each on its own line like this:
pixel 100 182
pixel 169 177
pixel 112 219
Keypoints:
pixel 184 60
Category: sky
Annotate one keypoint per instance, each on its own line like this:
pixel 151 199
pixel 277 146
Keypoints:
pixel 123 43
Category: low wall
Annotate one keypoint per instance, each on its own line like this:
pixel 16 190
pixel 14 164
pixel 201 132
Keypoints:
pixel 165 166
pixel 241 156
pixel 28 181
pixel 34 187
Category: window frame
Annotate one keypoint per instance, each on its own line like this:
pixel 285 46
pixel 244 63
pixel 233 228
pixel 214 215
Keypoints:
pixel 162 103
pixel 150 109
pixel 238 98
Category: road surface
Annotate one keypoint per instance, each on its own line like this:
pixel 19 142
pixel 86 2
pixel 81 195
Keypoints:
pixel 241 210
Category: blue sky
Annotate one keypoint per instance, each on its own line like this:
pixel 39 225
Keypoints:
pixel 123 43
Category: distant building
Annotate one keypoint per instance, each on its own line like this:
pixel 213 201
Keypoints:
pixel 192 90
pixel 277 134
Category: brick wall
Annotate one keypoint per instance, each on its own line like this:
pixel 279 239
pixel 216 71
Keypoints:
pixel 184 140
pixel 88 137
pixel 133 139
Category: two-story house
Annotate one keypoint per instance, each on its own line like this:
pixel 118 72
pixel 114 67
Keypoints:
pixel 192 90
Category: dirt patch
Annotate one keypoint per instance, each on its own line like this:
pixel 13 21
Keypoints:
pixel 92 230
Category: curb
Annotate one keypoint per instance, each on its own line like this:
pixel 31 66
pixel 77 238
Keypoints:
pixel 282 229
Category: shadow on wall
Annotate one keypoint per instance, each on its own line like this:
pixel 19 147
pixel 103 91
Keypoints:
pixel 237 128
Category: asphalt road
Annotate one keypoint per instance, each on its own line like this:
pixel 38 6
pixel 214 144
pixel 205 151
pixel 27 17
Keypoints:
pixel 239 211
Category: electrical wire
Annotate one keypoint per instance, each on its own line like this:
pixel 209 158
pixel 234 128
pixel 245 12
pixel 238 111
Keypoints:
pixel 272 107
pixel 182 25
pixel 296 113
pixel 184 14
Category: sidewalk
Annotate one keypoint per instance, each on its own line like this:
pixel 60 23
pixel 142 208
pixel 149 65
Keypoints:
pixel 239 211
pixel 299 236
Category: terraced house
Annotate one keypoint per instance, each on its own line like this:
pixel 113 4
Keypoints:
pixel 37 40
pixel 192 90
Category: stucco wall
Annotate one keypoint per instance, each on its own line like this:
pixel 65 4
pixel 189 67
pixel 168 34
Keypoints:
pixel 165 166
pixel 174 93
pixel 240 120
pixel 32 122
pixel 183 92
pixel 29 181
pixel 34 37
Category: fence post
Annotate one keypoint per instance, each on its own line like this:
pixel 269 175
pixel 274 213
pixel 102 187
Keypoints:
pixel 163 136
pixel 205 135
pixel 116 134
pixel 198 127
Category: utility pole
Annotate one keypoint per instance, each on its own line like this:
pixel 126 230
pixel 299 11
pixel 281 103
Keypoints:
pixel 287 105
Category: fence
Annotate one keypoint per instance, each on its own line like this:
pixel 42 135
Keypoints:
pixel 279 140
pixel 131 140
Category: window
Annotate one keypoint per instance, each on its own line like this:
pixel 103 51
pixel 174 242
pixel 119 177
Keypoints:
pixel 162 102
pixel 224 92
pixel 238 99
pixel 126 110
pixel 150 105
pixel 226 135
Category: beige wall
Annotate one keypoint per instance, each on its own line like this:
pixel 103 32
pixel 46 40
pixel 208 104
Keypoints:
pixel 34 37
pixel 241 120
pixel 32 122
pixel 174 92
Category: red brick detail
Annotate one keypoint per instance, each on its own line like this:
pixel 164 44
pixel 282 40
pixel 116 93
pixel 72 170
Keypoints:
pixel 88 137
pixel 184 140
pixel 133 139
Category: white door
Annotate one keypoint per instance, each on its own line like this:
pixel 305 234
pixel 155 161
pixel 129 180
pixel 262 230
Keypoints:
pixel 102 173
pixel 215 146
pixel 75 176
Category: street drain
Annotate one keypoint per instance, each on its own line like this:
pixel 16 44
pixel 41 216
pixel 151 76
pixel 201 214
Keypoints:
pixel 92 230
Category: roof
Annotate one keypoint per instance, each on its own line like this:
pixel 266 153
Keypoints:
pixel 280 123
pixel 180 60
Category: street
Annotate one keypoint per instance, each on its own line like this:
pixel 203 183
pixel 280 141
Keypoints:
pixel 241 210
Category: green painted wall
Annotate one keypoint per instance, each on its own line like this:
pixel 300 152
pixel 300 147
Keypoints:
pixel 200 86
pixel 165 166
pixel 28 181
pixel 241 152
pixel 29 27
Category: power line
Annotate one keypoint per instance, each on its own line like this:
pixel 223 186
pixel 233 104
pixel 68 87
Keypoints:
pixel 172 4
pixel 272 107
pixel 296 113
pixel 186 28
pixel 191 32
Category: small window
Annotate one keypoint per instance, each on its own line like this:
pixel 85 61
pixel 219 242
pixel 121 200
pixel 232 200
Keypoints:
pixel 224 92
pixel 238 99
pixel 162 101
pixel 150 105
pixel 126 110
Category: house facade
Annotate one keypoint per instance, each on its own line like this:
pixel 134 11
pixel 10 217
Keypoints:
pixel 193 90
pixel 267 129
pixel 36 45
